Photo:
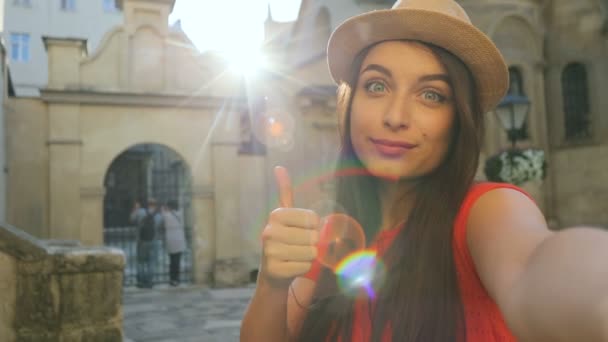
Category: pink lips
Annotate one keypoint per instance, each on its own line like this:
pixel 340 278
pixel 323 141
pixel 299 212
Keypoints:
pixel 392 148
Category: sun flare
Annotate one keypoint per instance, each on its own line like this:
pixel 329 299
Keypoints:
pixel 246 62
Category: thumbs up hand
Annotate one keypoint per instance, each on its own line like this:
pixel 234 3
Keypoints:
pixel 289 238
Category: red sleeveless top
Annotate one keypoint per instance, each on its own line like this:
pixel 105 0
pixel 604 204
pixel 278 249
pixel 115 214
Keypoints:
pixel 483 320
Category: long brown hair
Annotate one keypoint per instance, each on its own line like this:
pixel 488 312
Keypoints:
pixel 421 297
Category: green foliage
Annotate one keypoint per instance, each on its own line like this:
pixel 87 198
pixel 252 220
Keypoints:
pixel 516 166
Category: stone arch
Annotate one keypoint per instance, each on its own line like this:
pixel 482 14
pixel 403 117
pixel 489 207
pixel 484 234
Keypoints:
pixel 520 40
pixel 137 173
pixel 517 38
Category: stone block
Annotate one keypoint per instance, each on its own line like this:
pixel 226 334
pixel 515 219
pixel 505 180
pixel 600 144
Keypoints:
pixel 37 336
pixel 89 298
pixel 79 260
pixel 37 303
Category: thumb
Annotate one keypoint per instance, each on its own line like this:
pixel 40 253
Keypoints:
pixel 284 184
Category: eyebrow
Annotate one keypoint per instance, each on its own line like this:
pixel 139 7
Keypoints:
pixel 425 78
pixel 378 68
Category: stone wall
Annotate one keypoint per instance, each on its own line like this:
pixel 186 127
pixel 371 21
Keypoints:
pixel 7 296
pixel 58 291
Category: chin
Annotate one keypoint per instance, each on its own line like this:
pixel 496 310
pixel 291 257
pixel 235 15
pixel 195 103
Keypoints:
pixel 388 172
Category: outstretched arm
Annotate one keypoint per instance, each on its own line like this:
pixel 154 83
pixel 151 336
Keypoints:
pixel 288 252
pixel 549 286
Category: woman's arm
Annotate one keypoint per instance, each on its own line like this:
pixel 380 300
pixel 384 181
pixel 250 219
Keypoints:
pixel 276 314
pixel 562 294
pixel 288 251
pixel 265 317
pixel 549 286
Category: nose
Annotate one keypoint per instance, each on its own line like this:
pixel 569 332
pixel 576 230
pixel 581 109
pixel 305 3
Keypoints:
pixel 396 117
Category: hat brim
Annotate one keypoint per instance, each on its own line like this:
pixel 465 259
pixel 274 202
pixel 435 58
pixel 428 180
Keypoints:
pixel 462 39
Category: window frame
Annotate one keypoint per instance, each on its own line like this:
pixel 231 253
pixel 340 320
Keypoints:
pixel 106 6
pixel 22 3
pixel 582 98
pixel 20 47
pixel 67 5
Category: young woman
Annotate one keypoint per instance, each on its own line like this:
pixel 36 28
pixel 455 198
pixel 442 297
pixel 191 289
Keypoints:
pixel 464 261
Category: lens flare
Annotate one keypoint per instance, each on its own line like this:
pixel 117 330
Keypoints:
pixel 275 128
pixel 361 270
pixel 340 236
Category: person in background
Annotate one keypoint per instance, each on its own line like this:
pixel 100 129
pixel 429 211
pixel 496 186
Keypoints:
pixel 149 222
pixel 175 239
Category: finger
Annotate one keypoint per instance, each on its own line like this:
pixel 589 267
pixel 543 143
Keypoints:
pixel 294 236
pixel 295 217
pixel 290 269
pixel 285 189
pixel 284 252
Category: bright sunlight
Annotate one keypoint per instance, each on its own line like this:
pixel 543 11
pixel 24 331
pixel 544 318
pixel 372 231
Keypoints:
pixel 234 28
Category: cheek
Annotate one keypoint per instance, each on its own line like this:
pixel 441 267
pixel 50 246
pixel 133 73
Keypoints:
pixel 438 129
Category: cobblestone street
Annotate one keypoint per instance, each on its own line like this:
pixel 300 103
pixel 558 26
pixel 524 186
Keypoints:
pixel 184 314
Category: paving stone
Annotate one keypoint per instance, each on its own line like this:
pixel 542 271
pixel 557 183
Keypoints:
pixel 184 314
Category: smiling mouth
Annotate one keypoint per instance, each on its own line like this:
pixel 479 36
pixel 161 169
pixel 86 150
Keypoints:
pixel 392 148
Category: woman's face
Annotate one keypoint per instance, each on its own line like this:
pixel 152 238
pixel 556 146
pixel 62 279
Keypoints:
pixel 402 111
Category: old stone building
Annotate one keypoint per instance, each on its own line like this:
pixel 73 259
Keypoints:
pixel 146 89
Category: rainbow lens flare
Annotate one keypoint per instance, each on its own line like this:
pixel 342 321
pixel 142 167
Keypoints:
pixel 361 270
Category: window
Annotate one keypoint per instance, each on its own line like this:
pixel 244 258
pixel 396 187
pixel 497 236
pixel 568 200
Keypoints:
pixel 576 102
pixel 22 3
pixel 109 6
pixel 516 87
pixel 68 5
pixel 20 47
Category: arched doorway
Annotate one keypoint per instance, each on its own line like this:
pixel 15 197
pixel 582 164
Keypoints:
pixel 142 172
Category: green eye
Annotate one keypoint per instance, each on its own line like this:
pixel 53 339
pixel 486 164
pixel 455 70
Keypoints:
pixel 433 96
pixel 375 87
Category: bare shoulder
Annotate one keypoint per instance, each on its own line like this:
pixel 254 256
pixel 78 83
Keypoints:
pixel 504 228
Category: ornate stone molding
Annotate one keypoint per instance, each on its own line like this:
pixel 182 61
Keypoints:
pixel 64 142
pixel 91 97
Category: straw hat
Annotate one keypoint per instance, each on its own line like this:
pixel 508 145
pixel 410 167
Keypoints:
pixel 440 22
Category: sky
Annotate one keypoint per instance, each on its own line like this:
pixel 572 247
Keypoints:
pixel 230 25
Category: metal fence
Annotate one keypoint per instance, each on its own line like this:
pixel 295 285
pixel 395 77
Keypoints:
pixel 125 238
pixel 143 172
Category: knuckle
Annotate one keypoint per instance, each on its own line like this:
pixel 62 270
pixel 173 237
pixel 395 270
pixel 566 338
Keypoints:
pixel 312 218
pixel 267 232
pixel 276 213
pixel 269 250
pixel 272 267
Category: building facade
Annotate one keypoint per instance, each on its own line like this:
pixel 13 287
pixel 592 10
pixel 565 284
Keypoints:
pixel 26 22
pixel 4 86
pixel 146 85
